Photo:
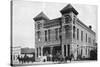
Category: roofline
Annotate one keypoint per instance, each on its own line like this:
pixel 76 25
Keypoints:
pixel 85 26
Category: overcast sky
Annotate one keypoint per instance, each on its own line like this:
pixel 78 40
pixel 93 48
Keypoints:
pixel 25 11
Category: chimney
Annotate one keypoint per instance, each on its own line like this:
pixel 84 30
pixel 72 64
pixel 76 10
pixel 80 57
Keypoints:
pixel 90 26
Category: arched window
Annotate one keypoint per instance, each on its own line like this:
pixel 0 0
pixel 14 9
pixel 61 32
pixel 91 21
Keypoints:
pixel 68 18
pixel 38 35
pixel 39 25
pixel 67 27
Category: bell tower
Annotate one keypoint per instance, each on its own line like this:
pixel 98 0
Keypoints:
pixel 68 24
pixel 40 19
pixel 68 13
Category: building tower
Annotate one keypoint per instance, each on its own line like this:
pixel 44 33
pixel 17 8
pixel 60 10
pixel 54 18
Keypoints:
pixel 68 24
pixel 40 19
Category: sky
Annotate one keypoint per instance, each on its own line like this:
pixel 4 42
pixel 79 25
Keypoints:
pixel 25 11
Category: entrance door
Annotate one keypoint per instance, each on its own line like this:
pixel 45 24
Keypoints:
pixel 46 51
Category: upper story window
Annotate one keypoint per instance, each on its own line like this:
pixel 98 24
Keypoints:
pixel 86 37
pixel 67 27
pixel 93 42
pixel 68 18
pixel 74 20
pixel 89 40
pixel 81 35
pixel 39 25
pixel 74 31
pixel 49 34
pixel 77 34
pixel 38 35
pixel 56 33
pixel 45 35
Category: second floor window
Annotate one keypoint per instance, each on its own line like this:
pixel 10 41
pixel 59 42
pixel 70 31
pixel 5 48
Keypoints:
pixel 74 20
pixel 86 37
pixel 45 35
pixel 81 35
pixel 38 35
pixel 89 40
pixel 56 33
pixel 93 42
pixel 77 34
pixel 73 31
pixel 49 34
pixel 39 25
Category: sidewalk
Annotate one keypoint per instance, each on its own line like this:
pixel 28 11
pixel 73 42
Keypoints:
pixel 45 63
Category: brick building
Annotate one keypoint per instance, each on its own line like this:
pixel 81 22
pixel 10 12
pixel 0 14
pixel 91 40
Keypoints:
pixel 66 35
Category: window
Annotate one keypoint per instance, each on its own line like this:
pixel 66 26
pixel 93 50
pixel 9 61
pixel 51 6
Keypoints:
pixel 38 25
pixel 86 37
pixel 67 18
pixel 56 33
pixel 89 40
pixel 73 31
pixel 45 35
pixel 49 35
pixel 77 34
pixel 40 50
pixel 81 35
pixel 74 20
pixel 64 50
pixel 68 27
pixel 38 35
pixel 37 52
pixel 60 33
pixel 93 42
pixel 81 51
pixel 86 51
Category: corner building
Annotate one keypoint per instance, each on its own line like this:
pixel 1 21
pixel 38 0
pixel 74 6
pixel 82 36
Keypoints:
pixel 66 35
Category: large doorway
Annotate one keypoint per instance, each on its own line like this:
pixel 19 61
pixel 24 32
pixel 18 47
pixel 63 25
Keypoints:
pixel 46 51
pixel 55 52
pixel 56 49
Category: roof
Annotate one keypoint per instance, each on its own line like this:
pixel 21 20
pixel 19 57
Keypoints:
pixel 27 50
pixel 53 22
pixel 85 26
pixel 68 8
pixel 41 16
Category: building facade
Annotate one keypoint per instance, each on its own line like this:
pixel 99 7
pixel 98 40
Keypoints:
pixel 16 51
pixel 66 35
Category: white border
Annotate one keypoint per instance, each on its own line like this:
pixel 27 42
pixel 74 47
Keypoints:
pixel 5 32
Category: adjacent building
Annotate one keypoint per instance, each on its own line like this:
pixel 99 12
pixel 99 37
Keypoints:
pixel 66 35
pixel 16 51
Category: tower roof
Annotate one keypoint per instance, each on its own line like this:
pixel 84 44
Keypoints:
pixel 68 9
pixel 41 16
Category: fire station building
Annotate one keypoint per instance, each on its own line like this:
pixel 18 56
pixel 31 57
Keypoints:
pixel 66 35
